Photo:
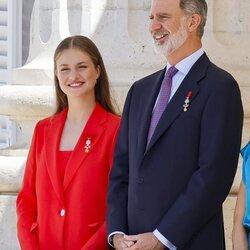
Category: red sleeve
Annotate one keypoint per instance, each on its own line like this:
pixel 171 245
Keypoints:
pixel 26 203
pixel 98 240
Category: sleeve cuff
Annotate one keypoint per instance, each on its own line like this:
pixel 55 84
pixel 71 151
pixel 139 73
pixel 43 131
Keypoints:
pixel 110 237
pixel 163 240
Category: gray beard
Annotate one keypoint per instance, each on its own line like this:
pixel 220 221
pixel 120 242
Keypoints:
pixel 174 42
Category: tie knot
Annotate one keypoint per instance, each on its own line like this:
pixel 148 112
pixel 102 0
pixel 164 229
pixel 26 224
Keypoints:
pixel 171 71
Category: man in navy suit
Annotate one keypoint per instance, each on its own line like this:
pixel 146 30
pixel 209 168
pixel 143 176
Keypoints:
pixel 167 186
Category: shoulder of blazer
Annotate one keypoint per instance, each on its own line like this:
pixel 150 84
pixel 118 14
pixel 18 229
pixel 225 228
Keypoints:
pixel 103 116
pixel 51 119
pixel 218 78
pixel 206 67
pixel 114 119
pixel 148 83
pixel 150 78
pixel 219 72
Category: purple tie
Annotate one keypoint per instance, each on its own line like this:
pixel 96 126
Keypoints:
pixel 162 102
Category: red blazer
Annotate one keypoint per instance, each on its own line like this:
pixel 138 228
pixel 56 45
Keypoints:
pixel 68 215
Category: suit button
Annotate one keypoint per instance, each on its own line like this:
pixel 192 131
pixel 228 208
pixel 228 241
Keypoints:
pixel 141 180
pixel 62 213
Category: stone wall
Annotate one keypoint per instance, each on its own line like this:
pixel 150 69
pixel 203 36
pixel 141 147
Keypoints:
pixel 120 30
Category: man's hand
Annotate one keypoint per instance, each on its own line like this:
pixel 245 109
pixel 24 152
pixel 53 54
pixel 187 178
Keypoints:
pixel 120 242
pixel 146 241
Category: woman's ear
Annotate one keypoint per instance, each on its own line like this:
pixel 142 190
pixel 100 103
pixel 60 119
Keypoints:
pixel 98 69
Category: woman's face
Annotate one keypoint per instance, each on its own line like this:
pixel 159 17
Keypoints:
pixel 76 73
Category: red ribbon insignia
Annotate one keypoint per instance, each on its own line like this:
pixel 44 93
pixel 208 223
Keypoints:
pixel 187 100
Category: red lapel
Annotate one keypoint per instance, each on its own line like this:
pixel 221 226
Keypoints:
pixel 52 138
pixel 93 130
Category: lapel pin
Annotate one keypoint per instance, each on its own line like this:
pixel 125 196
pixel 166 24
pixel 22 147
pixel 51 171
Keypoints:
pixel 187 100
pixel 87 145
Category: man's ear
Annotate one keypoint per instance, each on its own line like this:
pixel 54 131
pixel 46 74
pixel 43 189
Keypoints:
pixel 193 22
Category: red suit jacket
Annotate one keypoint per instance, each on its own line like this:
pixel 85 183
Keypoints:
pixel 68 215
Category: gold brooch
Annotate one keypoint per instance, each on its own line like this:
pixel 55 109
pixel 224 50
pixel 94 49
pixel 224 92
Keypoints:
pixel 87 146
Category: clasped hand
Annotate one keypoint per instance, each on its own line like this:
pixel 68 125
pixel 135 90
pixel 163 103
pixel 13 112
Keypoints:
pixel 145 241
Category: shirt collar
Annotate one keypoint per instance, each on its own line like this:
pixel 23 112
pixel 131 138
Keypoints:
pixel 186 64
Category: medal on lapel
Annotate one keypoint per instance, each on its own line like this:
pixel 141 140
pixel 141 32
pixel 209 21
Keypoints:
pixel 186 102
pixel 87 146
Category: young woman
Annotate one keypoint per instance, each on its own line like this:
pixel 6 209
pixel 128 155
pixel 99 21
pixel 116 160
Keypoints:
pixel 241 236
pixel 62 202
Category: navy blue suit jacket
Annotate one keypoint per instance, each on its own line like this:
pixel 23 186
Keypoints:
pixel 177 184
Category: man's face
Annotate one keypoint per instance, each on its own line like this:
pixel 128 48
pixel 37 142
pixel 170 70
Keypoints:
pixel 168 26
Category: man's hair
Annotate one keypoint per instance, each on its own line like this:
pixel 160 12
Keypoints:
pixel 199 7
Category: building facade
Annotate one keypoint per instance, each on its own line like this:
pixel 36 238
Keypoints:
pixel 120 30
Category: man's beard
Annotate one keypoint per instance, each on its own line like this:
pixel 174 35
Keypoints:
pixel 173 42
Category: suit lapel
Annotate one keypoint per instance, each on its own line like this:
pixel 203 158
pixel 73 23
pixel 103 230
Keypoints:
pixel 93 130
pixel 52 138
pixel 175 106
pixel 145 118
